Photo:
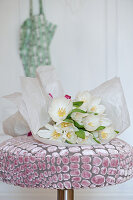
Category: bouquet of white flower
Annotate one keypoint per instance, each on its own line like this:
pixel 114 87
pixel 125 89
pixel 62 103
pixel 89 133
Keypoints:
pixel 54 118
pixel 81 121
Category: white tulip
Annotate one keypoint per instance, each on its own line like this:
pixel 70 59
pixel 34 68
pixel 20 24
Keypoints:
pixel 78 117
pixel 66 126
pixel 52 132
pixel 85 97
pixel 64 130
pixel 91 122
pixel 70 136
pixel 88 140
pixel 107 134
pixel 95 107
pixel 60 108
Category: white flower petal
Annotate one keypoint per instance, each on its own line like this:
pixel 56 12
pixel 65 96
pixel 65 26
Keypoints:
pixel 84 96
pixel 60 108
pixel 44 134
pixel 65 126
pixel 58 129
pixel 70 137
pixel 87 133
pixel 107 134
pixel 88 140
pixel 49 127
pixel 91 122
pixel 100 109
pixel 78 117
pixel 95 133
pixel 82 141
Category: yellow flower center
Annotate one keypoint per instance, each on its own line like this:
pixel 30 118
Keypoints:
pixel 55 135
pixel 104 135
pixel 93 109
pixel 61 112
pixel 68 135
pixel 90 124
pixel 65 124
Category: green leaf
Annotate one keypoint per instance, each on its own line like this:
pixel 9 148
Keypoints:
pixel 116 131
pixel 75 110
pixel 77 103
pixel 78 125
pixel 69 121
pixel 68 116
pixel 96 140
pixel 78 110
pixel 100 128
pixel 95 113
pixel 80 134
pixel 68 142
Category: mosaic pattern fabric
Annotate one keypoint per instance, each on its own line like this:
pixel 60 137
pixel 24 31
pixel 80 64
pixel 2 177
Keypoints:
pixel 35 37
pixel 28 163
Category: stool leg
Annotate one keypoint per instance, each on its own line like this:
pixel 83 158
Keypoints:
pixel 65 194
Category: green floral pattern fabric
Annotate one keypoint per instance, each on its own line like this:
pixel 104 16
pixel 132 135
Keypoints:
pixel 35 37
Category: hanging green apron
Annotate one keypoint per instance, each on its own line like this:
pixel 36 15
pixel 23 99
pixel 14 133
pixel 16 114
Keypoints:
pixel 36 34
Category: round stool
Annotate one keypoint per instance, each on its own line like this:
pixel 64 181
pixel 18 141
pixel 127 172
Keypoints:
pixel 28 163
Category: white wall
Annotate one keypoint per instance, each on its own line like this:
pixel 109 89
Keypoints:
pixel 93 42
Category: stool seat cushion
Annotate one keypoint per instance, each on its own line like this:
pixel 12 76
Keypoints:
pixel 28 163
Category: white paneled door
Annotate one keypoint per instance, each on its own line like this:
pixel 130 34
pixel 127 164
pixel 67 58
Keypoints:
pixel 93 43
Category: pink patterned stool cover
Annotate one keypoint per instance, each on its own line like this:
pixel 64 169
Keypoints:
pixel 28 163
